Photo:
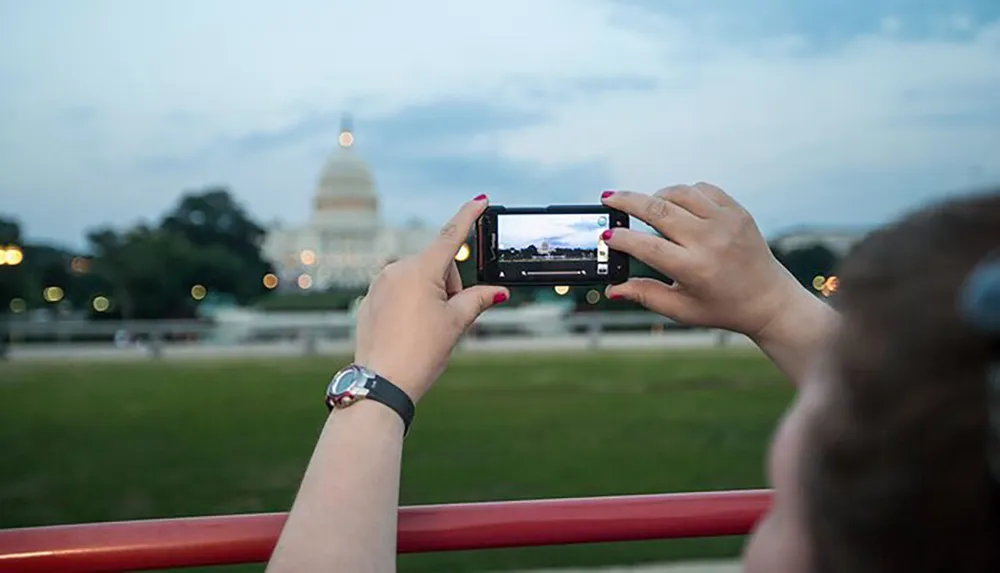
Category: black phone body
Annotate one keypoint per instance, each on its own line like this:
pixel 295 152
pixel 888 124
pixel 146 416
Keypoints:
pixel 558 245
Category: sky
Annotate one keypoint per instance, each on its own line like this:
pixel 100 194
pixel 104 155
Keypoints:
pixel 824 112
pixel 562 230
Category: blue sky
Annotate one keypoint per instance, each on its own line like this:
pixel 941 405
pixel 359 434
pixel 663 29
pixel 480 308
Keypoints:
pixel 521 231
pixel 825 112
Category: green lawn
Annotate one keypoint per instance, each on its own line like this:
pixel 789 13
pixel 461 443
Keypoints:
pixel 97 442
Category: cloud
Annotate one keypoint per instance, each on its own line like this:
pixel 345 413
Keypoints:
pixel 570 231
pixel 807 112
pixel 779 128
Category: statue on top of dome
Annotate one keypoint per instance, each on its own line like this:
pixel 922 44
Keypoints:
pixel 346 137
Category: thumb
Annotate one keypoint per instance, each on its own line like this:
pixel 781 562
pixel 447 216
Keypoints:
pixel 471 302
pixel 652 294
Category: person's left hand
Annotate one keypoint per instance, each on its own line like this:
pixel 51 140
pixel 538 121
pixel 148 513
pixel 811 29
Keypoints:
pixel 416 310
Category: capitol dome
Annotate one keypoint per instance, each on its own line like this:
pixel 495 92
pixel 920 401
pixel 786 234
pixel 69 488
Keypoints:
pixel 345 193
pixel 344 245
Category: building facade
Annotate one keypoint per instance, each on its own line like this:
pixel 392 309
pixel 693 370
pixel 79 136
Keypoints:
pixel 838 240
pixel 345 243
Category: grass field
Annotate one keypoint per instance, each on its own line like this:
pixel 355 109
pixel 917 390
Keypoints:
pixel 97 442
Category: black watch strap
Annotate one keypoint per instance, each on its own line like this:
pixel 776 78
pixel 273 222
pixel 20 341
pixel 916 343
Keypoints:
pixel 381 390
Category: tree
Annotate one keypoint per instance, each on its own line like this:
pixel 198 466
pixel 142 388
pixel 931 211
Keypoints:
pixel 10 232
pixel 211 219
pixel 40 266
pixel 12 278
pixel 207 239
pixel 807 262
pixel 151 272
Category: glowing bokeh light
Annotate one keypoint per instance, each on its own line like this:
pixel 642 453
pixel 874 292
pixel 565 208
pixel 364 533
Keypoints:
pixel 305 282
pixel 53 294
pixel 100 303
pixel 11 255
pixel 17 305
pixel 198 292
pixel 561 290
pixel 307 257
pixel 270 281
pixel 463 253
pixel 593 296
pixel 79 265
pixel 818 282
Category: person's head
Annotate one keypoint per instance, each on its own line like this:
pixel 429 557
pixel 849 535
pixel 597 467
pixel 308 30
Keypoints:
pixel 881 464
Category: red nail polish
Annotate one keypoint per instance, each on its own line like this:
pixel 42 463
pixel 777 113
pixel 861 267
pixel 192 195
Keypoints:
pixel 606 235
pixel 614 296
pixel 499 297
pixel 480 197
pixel 607 194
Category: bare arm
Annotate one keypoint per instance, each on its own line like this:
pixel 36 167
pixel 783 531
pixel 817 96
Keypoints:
pixel 793 338
pixel 344 516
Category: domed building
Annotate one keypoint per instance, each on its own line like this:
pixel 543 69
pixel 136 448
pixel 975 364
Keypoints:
pixel 344 244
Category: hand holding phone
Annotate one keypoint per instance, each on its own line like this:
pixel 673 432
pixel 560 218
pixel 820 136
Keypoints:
pixel 550 246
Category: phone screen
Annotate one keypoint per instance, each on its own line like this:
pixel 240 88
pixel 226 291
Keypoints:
pixel 553 248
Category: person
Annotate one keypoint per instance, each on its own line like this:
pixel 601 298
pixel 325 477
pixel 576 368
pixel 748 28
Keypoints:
pixel 881 463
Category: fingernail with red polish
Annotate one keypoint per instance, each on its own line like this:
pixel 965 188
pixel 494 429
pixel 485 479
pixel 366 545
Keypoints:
pixel 480 197
pixel 614 296
pixel 607 194
pixel 606 235
pixel 499 297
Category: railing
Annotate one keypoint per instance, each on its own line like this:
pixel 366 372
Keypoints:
pixel 222 540
pixel 330 333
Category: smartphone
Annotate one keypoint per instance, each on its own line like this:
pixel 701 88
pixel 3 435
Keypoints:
pixel 549 246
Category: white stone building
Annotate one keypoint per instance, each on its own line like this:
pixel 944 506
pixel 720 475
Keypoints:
pixel 345 243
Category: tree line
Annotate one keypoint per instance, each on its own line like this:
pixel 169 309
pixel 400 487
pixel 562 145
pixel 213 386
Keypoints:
pixel 147 271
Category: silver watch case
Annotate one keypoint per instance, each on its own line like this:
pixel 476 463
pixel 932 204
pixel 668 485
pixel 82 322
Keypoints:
pixel 348 386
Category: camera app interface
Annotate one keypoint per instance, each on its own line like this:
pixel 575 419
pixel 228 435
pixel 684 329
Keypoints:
pixel 552 246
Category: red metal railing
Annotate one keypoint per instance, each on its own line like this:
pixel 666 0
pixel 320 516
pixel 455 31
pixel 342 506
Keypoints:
pixel 159 544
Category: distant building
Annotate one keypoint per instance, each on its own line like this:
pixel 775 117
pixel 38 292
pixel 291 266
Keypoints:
pixel 344 244
pixel 838 240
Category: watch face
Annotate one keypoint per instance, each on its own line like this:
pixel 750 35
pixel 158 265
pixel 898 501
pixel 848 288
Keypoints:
pixel 345 380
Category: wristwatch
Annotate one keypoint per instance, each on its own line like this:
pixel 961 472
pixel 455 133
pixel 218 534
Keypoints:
pixel 355 383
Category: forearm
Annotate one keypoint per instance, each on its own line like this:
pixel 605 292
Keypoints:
pixel 799 331
pixel 344 516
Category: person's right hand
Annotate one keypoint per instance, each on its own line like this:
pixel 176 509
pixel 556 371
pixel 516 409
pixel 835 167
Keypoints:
pixel 725 274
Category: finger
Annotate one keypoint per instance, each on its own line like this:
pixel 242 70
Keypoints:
pixel 669 219
pixel 453 280
pixel 652 294
pixel 667 257
pixel 443 249
pixel 717 195
pixel 471 302
pixel 690 198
